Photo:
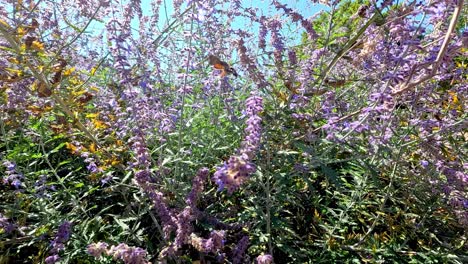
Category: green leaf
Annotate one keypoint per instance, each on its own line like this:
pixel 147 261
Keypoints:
pixel 331 175
pixel 124 226
pixel 56 149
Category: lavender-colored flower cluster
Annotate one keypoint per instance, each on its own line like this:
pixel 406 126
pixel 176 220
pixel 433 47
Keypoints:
pixel 6 224
pixel 97 249
pixel 276 39
pixel 41 188
pixel 262 33
pixel 58 244
pixel 255 74
pixel 197 187
pixel 406 50
pixel 239 167
pixel 212 244
pixel 264 259
pixel 128 254
pixel 184 227
pixel 239 251
pixel 12 176
pixel 296 17
pixel 233 173
pixel 169 221
pixel 186 216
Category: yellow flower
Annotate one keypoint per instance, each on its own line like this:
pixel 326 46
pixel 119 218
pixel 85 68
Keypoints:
pixel 69 71
pixel 37 45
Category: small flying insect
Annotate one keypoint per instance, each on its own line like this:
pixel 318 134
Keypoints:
pixel 221 65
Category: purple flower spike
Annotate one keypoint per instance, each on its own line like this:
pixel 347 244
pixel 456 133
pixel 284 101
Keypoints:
pixel 239 251
pixel 97 249
pixel 212 244
pixel 62 236
pixel 238 168
pixel 13 177
pixel 129 255
pixel 52 259
pixel 197 186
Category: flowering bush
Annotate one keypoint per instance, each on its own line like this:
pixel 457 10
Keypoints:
pixel 219 132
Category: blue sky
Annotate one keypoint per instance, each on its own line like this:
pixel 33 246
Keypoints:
pixel 306 8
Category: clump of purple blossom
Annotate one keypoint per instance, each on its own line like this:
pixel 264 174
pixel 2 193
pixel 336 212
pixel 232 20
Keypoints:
pixel 129 255
pixel 233 173
pixel 124 252
pixel 197 187
pixel 276 39
pixel 183 221
pixel 41 188
pixel 13 177
pixel 239 167
pixel 212 244
pixel 97 249
pixel 262 33
pixel 58 244
pixel 247 61
pixel 296 17
pixel 240 249
pixel 392 56
pixel 264 259
pixel 6 224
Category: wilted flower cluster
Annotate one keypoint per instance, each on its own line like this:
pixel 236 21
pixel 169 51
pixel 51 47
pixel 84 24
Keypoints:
pixel 239 167
pixel 128 254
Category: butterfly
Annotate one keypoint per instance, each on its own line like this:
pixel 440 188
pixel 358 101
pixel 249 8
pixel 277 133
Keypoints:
pixel 221 65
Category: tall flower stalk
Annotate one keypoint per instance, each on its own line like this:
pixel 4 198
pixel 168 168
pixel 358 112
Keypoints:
pixel 239 167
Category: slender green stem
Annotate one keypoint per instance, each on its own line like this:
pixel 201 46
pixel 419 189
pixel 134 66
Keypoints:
pixel 268 202
pixel 75 201
pixel 184 85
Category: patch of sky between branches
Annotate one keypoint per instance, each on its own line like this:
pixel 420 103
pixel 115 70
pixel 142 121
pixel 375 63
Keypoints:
pixel 266 8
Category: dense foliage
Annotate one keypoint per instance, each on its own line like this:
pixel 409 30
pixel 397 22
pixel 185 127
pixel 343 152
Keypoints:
pixel 342 140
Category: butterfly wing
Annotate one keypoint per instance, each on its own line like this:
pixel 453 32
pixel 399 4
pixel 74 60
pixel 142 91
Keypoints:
pixel 221 65
pixel 213 60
